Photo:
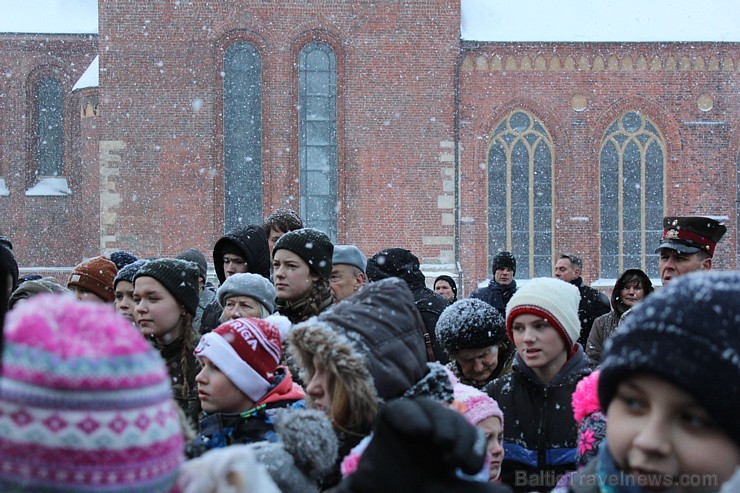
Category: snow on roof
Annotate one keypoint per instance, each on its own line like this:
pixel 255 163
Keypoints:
pixel 91 76
pixel 49 16
pixel 600 20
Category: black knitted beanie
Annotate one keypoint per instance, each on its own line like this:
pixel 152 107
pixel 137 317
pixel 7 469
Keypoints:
pixel 312 245
pixel 179 277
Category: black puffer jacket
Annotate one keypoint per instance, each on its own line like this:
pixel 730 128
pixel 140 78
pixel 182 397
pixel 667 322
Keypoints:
pixel 401 263
pixel 540 435
pixel 372 342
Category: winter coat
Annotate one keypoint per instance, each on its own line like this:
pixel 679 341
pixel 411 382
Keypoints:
pixel 401 263
pixel 181 374
pixel 496 295
pixel 372 342
pixel 603 328
pixel 223 429
pixel 540 436
pixel 207 296
pixel 593 303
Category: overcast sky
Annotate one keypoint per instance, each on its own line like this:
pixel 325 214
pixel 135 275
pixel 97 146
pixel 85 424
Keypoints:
pixel 482 20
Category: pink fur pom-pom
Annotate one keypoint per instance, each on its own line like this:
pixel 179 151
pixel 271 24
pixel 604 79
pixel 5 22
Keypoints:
pixel 586 397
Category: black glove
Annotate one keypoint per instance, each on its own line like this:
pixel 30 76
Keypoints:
pixel 417 446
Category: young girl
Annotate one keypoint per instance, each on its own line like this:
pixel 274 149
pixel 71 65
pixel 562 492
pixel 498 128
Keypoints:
pixel 366 349
pixel 123 289
pixel 301 262
pixel 670 384
pixel 166 297
pixel 629 290
pixel 92 280
pixel 540 437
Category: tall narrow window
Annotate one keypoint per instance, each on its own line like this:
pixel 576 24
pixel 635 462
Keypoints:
pixel 50 129
pixel 317 78
pixel 242 136
pixel 631 175
pixel 520 193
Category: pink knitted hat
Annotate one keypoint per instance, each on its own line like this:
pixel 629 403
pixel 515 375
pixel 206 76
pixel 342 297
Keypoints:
pixel 85 402
pixel 475 405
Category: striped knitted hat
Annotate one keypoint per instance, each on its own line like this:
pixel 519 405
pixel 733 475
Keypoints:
pixel 84 403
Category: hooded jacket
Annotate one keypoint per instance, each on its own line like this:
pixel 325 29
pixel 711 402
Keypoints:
pixel 401 263
pixel 251 242
pixel 372 342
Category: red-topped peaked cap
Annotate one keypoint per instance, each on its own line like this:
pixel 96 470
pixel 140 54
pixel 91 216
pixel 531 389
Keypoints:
pixel 691 234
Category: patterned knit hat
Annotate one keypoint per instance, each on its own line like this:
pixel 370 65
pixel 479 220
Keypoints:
pixel 179 277
pixel 248 351
pixel 470 324
pixel 95 275
pixel 552 299
pixel 503 260
pixel 475 405
pixel 246 284
pixel 589 418
pixel 85 403
pixel 687 334
pixel 312 245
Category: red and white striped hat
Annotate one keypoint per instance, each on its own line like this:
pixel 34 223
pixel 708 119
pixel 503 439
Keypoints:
pixel 247 350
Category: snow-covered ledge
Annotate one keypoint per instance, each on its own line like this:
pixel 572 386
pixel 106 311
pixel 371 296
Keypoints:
pixel 4 192
pixel 50 186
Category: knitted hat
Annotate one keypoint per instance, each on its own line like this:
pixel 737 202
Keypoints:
pixel 589 418
pixel 552 299
pixel 194 255
pixel 449 280
pixel 248 242
pixel 312 245
pixel 685 333
pixel 29 289
pixel 95 275
pixel 503 260
pixel 470 324
pixel 85 402
pixel 252 285
pixel 122 259
pixel 392 262
pixel 179 277
pixel 128 272
pixel 248 351
pixel 475 405
pixel 349 254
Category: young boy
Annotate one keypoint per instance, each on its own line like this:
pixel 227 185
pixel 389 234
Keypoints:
pixel 540 437
pixel 670 385
pixel 241 383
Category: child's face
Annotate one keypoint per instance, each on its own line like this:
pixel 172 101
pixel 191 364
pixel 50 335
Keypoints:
pixel 659 433
pixel 539 344
pixel 495 439
pixel 217 393
pixel 125 300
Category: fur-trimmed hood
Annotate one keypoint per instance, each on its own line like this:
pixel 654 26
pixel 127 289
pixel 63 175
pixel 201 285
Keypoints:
pixel 373 342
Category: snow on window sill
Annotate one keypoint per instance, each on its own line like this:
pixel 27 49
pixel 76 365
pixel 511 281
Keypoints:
pixel 4 192
pixel 50 186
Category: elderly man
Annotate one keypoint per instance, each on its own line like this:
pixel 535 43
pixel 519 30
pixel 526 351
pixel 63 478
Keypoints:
pixel 348 271
pixel 687 245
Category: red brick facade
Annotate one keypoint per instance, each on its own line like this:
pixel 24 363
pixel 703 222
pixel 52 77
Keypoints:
pixel 144 153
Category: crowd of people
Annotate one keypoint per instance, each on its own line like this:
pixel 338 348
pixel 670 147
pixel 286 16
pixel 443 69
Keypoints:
pixel 313 367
